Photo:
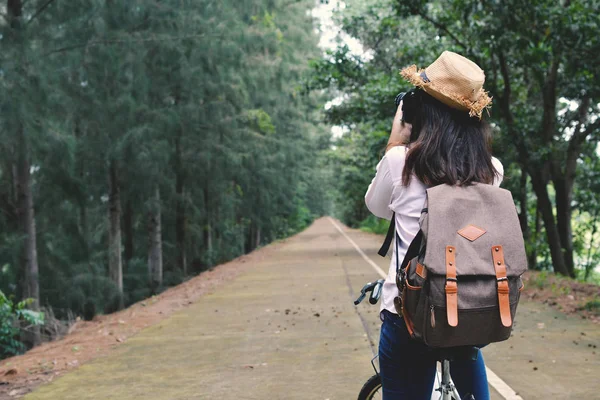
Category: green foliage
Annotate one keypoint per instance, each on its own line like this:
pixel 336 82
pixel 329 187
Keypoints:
pixel 353 164
pixel 375 225
pixel 12 317
pixel 587 217
pixel 88 294
pixel 592 305
pixel 201 100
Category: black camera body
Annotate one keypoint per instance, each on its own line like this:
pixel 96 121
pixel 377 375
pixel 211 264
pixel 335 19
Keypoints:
pixel 410 103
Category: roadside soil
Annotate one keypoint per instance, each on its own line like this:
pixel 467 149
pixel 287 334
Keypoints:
pixel 88 340
pixel 563 294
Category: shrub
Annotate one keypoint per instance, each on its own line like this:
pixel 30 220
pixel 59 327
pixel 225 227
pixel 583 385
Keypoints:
pixel 12 315
pixel 90 293
pixel 593 305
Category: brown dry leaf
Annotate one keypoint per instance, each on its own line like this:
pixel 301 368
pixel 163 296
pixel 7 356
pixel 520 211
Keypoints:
pixel 12 371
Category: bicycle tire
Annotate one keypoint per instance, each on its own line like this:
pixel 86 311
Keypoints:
pixel 370 388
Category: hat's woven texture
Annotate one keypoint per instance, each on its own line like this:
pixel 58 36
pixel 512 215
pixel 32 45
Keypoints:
pixel 454 80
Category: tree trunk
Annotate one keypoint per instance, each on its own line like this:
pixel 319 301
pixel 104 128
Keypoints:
pixel 545 208
pixel 82 199
pixel 523 203
pixel 155 259
pixel 128 231
pixel 180 221
pixel 563 219
pixel 30 284
pixel 523 214
pixel 249 239
pixel 208 234
pixel 564 180
pixel 115 262
pixel 532 255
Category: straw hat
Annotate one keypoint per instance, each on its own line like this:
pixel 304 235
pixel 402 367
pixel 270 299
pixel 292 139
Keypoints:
pixel 454 80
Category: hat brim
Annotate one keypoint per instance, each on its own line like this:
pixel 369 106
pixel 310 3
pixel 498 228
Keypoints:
pixel 475 108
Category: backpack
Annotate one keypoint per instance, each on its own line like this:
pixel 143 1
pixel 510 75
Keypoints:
pixel 460 280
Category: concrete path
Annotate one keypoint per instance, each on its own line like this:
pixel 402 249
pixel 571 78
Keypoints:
pixel 287 329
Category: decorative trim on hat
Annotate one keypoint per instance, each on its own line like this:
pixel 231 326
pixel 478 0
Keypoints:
pixel 419 79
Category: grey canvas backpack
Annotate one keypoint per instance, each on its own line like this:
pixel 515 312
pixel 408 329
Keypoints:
pixel 460 281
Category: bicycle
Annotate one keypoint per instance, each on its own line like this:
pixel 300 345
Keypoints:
pixel 371 390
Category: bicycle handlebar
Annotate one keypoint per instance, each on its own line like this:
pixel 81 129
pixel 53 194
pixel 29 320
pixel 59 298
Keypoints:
pixel 374 288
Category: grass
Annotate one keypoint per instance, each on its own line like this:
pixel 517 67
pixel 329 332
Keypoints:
pixel 593 305
pixel 540 280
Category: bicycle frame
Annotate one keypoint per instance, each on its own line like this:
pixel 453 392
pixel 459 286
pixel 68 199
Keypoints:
pixel 447 388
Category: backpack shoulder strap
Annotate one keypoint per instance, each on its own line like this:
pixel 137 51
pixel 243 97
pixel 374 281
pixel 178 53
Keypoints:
pixel 385 247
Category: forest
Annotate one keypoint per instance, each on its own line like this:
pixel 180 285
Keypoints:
pixel 144 142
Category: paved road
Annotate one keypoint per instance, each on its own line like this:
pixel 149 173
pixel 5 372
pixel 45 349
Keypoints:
pixel 287 329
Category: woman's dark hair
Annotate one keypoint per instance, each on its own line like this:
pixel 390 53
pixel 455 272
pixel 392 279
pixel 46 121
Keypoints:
pixel 447 146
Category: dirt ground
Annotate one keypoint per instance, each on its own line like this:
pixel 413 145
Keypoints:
pixel 566 295
pixel 88 340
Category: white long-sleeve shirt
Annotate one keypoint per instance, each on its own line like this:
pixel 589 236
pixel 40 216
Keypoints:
pixel 387 195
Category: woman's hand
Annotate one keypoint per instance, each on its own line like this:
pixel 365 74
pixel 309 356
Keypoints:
pixel 400 134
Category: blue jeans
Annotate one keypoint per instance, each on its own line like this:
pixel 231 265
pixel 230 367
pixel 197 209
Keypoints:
pixel 408 367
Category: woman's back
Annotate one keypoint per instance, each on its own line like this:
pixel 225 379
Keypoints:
pixel 387 196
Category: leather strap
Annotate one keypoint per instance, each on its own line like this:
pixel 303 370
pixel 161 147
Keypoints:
pixel 502 282
pixel 451 287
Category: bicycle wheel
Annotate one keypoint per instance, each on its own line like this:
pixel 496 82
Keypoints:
pixel 371 390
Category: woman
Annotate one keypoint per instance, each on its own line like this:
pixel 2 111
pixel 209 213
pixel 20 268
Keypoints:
pixel 446 142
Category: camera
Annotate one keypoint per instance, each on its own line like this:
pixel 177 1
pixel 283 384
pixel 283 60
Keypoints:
pixel 399 98
pixel 409 106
